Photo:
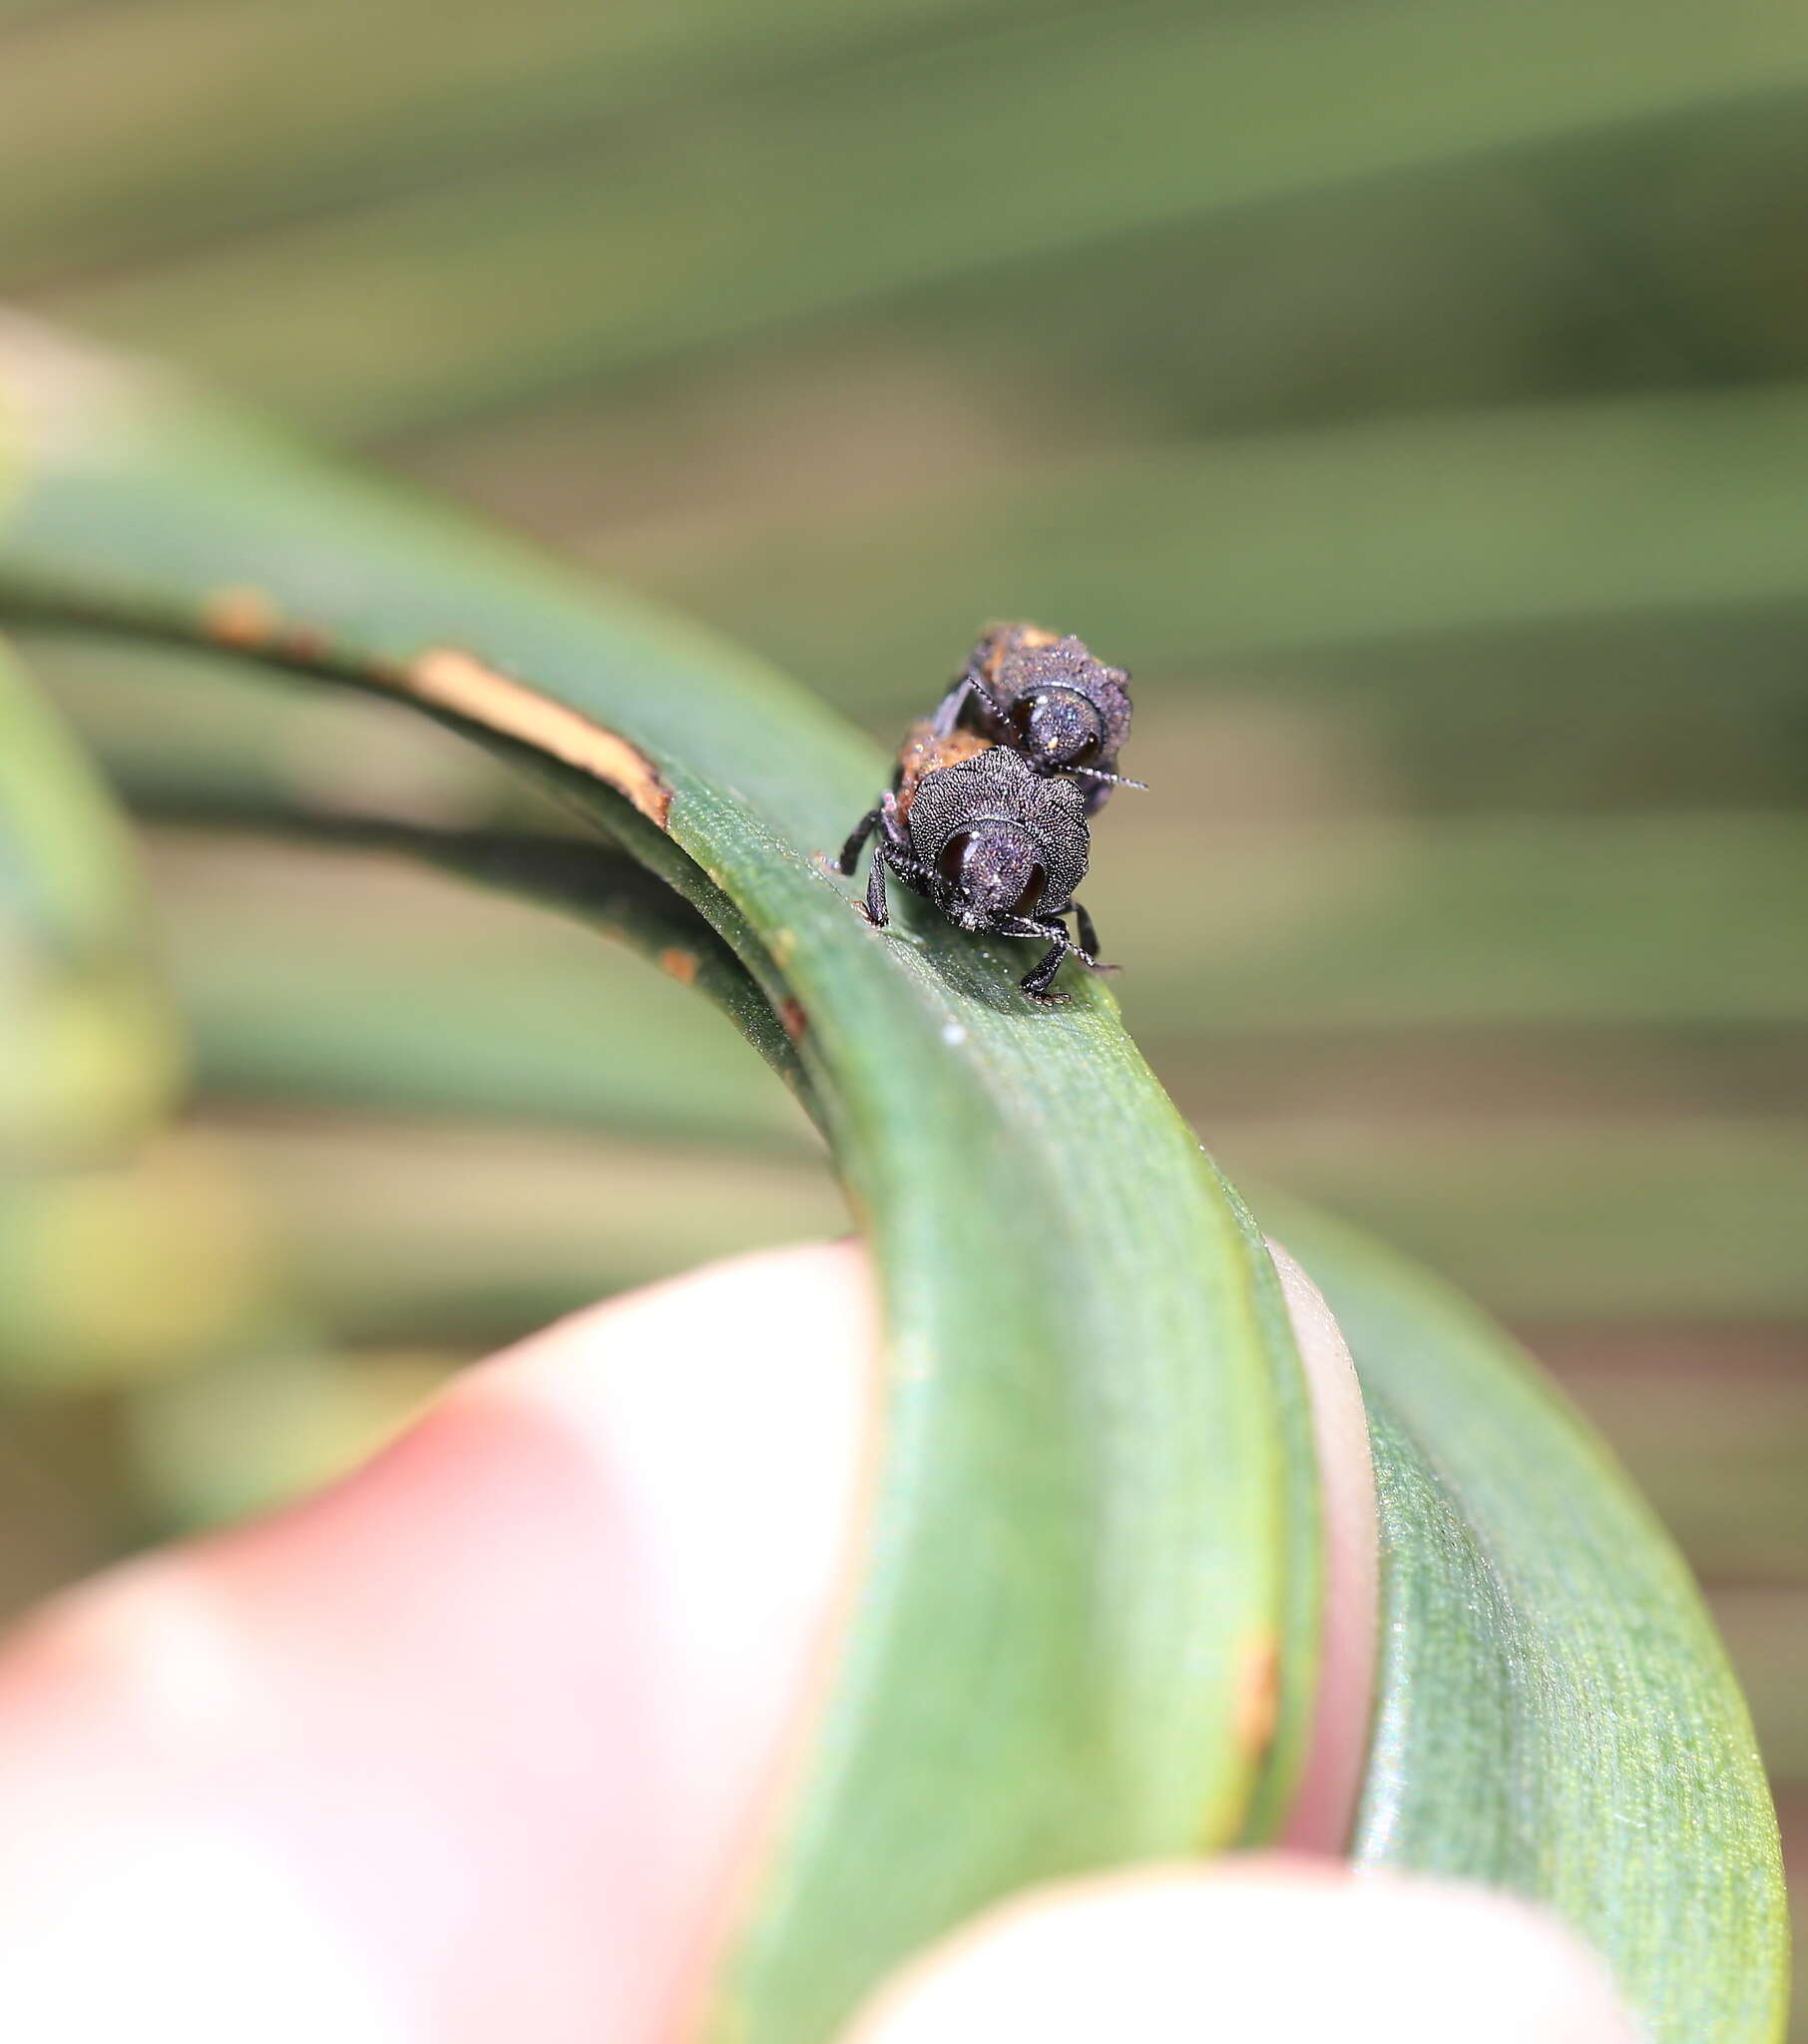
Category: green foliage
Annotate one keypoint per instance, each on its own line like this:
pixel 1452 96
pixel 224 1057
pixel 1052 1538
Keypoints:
pixel 1038 141
pixel 89 1055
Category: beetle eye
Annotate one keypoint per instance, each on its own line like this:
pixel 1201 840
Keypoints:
pixel 1032 894
pixel 1083 752
pixel 1020 712
pixel 953 856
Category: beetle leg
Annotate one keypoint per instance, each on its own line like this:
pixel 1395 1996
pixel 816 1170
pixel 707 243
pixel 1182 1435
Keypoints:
pixel 876 912
pixel 900 853
pixel 909 869
pixel 906 866
pixel 856 843
pixel 1035 981
pixel 948 715
pixel 1089 936
pixel 1089 942
pixel 892 825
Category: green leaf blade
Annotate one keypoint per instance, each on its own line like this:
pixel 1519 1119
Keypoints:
pixel 91 1055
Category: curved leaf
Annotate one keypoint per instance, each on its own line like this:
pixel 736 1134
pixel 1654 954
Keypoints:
pixel 1555 1714
pixel 1087 1617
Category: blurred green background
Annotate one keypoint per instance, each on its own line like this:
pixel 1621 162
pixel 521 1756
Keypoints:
pixel 1414 395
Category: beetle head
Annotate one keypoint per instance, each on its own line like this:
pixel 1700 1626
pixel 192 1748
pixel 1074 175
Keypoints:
pixel 990 872
pixel 1060 728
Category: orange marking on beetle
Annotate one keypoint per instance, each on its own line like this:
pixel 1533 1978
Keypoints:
pixel 1000 640
pixel 238 617
pixel 922 753
pixel 679 965
pixel 455 681
pixel 1255 1704
pixel 790 1013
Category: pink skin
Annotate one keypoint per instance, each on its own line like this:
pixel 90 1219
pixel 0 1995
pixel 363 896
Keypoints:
pixel 479 1745
pixel 1324 1807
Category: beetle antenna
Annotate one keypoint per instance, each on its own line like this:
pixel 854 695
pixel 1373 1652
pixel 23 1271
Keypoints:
pixel 1098 773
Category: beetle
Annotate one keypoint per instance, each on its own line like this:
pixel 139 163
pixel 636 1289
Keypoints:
pixel 996 846
pixel 1046 698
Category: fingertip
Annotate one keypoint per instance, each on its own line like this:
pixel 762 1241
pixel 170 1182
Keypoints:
pixel 1290 1952
pixel 497 1720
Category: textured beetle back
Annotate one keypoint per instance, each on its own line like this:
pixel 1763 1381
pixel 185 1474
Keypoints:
pixel 997 786
pixel 1014 661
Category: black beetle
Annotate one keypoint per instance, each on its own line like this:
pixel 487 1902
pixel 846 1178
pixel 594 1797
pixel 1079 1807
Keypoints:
pixel 995 846
pixel 1047 699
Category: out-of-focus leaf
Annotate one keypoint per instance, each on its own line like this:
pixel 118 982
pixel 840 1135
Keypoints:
pixel 88 1054
pixel 257 1431
pixel 1383 531
pixel 118 1256
pixel 1766 1633
pixel 1555 1713
pixel 347 979
pixel 115 1271
pixel 1484 921
pixel 1085 1340
pixel 215 107
pixel 1572 1218
pixel 393 1231
pixel 1717 1444
pixel 928 171
pixel 179 733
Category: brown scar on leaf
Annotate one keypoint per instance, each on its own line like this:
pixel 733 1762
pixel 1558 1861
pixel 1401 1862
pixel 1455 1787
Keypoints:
pixel 679 965
pixel 455 681
pixel 247 619
pixel 790 1013
pixel 304 641
pixel 240 617
pixel 1255 1704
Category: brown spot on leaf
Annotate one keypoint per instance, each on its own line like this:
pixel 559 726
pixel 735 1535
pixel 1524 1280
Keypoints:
pixel 1257 1704
pixel 238 617
pixel 304 641
pixel 790 1013
pixel 455 681
pixel 679 965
